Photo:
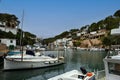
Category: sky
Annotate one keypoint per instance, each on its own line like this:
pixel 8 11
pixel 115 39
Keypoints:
pixel 48 18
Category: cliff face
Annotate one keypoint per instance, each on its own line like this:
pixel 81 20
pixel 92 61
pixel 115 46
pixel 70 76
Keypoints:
pixel 91 43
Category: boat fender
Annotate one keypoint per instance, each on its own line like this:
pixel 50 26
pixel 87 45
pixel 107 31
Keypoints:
pixel 89 74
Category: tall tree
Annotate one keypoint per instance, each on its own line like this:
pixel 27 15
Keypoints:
pixel 117 13
pixel 9 20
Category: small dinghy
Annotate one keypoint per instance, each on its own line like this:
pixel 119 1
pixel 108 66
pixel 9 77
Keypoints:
pixel 75 75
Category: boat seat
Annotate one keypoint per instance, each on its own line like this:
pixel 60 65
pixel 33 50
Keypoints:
pixel 81 76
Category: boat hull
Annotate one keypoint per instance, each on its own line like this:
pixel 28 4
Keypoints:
pixel 18 65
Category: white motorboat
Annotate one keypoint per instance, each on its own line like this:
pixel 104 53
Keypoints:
pixel 112 62
pixel 75 75
pixel 30 61
pixel 112 67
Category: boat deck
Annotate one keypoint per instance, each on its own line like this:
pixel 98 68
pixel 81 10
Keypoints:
pixel 113 77
pixel 72 75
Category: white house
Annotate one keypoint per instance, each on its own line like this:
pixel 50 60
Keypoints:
pixel 63 42
pixel 78 34
pixel 83 32
pixel 59 42
pixel 8 29
pixel 115 31
pixel 8 42
pixel 94 32
pixel 70 43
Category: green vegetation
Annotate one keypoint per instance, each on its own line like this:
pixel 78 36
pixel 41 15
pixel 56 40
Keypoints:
pixel 7 35
pixel 117 13
pixel 113 23
pixel 28 37
pixel 9 20
pixel 77 43
pixel 60 36
pixel 111 40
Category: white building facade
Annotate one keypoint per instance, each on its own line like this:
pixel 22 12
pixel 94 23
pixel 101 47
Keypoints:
pixel 8 42
pixel 7 29
pixel 65 42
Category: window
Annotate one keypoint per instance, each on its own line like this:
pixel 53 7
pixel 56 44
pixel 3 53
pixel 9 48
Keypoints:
pixel 11 41
pixel 114 68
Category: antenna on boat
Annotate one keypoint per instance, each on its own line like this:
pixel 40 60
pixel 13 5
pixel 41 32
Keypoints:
pixel 21 38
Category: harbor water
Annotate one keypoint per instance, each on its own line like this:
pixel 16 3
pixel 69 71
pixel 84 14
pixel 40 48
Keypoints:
pixel 74 59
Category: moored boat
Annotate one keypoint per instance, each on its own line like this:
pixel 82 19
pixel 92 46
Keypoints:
pixel 112 67
pixel 30 61
pixel 75 75
pixel 112 61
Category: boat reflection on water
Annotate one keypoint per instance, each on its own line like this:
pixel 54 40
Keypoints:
pixel 38 74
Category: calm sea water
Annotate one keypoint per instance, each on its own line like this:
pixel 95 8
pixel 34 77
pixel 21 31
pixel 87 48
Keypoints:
pixel 74 60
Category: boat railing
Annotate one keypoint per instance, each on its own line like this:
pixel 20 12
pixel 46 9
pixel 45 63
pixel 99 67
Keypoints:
pixel 112 53
pixel 100 75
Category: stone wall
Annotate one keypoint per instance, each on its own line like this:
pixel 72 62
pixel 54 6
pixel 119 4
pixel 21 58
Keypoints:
pixel 91 43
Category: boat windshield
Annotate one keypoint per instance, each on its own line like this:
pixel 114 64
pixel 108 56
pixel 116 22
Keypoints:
pixel 112 53
pixel 114 68
pixel 30 52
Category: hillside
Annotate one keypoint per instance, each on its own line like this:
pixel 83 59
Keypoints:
pixel 107 24
pixel 91 42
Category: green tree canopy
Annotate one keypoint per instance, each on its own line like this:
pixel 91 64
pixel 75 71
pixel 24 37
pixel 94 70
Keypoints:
pixel 117 13
pixel 9 20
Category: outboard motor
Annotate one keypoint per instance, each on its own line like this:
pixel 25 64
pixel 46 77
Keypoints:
pixel 83 70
